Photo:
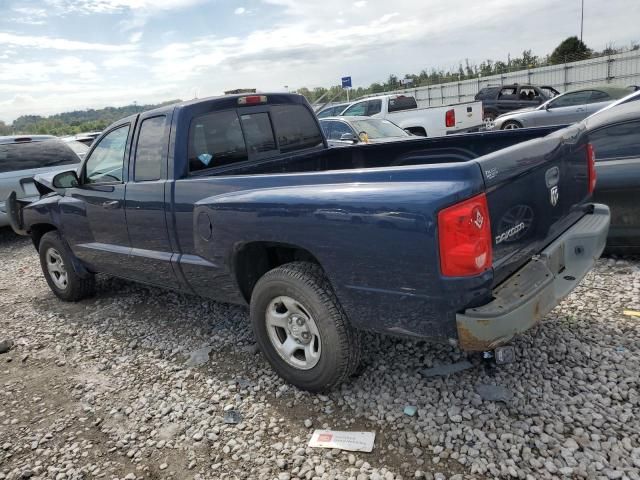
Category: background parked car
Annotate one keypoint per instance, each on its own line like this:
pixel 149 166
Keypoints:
pixel 343 131
pixel 87 137
pixel 332 110
pixel 617 151
pixel 22 157
pixel 497 100
pixel 80 148
pixel 567 108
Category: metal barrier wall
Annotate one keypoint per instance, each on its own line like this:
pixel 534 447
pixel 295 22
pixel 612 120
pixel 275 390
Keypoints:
pixel 621 69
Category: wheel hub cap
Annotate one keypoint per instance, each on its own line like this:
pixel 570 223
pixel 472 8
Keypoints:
pixel 293 332
pixel 56 268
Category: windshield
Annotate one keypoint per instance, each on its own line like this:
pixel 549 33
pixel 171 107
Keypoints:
pixel 79 148
pixel 378 128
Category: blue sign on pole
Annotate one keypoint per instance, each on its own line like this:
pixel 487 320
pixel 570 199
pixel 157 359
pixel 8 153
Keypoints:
pixel 346 82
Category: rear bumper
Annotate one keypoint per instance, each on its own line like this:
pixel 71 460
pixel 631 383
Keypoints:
pixel 475 128
pixel 529 294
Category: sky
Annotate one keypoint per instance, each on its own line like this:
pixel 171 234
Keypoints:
pixel 63 55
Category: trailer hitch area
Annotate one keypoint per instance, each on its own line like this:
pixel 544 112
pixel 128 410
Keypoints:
pixel 501 355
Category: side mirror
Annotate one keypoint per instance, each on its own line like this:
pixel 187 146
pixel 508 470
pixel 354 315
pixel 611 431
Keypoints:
pixel 547 106
pixel 68 179
pixel 348 137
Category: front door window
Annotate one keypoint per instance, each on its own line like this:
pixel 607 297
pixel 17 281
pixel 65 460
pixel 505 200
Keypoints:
pixel 105 165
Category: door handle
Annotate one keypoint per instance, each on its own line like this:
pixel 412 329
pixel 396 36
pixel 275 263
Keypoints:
pixel 111 204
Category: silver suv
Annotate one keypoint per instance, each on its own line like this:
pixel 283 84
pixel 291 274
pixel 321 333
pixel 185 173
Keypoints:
pixel 22 157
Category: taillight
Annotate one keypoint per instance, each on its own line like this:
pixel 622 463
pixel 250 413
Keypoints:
pixel 464 235
pixel 450 118
pixel 252 100
pixel 591 165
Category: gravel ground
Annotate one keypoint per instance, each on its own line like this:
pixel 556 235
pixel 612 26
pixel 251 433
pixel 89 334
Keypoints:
pixel 106 388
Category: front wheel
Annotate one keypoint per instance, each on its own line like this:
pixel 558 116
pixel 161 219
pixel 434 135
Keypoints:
pixel 301 328
pixel 511 125
pixel 56 261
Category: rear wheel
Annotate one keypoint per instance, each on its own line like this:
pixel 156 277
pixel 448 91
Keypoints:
pixel 301 328
pixel 511 124
pixel 56 260
pixel 489 116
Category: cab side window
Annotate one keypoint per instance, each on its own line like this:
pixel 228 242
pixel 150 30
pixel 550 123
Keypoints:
pixel 373 107
pixel 357 110
pixel 599 96
pixel 571 99
pixel 150 150
pixel 616 141
pixel 105 165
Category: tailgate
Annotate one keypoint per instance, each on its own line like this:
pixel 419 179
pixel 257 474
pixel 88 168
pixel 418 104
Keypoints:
pixel 467 116
pixel 535 191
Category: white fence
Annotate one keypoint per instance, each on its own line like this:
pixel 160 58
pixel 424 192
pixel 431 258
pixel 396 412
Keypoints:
pixel 621 69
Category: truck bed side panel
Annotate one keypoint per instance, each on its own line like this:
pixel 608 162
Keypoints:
pixel 372 231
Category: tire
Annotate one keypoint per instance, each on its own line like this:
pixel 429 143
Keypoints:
pixel 511 124
pixel 489 116
pixel 332 349
pixel 56 261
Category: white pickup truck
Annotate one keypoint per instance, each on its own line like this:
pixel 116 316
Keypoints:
pixel 428 122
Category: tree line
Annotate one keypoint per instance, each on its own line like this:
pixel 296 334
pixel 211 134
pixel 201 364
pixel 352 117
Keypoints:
pixel 571 49
pixel 71 123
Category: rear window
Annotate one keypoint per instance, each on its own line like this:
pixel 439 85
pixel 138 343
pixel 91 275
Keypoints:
pixel 402 103
pixel 28 155
pixel 258 133
pixel 215 139
pixel 487 93
pixel 295 127
pixel 223 138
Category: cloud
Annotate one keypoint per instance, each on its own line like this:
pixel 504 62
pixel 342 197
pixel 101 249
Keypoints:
pixel 44 42
pixel 43 73
pixel 29 15
pixel 135 37
pixel 360 3
pixel 239 10
pixel 285 45
pixel 116 6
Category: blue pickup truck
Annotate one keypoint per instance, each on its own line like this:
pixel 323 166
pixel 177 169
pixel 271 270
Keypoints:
pixel 469 239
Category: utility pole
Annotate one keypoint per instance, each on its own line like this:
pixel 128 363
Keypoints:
pixel 581 18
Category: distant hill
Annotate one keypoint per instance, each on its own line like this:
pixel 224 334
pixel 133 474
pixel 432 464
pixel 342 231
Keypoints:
pixel 70 123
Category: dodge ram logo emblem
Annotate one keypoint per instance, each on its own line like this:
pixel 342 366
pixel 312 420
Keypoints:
pixel 553 193
pixel 479 220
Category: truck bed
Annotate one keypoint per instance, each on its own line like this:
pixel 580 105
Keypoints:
pixel 419 151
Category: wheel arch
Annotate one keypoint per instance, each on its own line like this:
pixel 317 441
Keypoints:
pixel 38 231
pixel 420 131
pixel 511 121
pixel 254 259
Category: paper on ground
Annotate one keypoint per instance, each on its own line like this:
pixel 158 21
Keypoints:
pixel 352 441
